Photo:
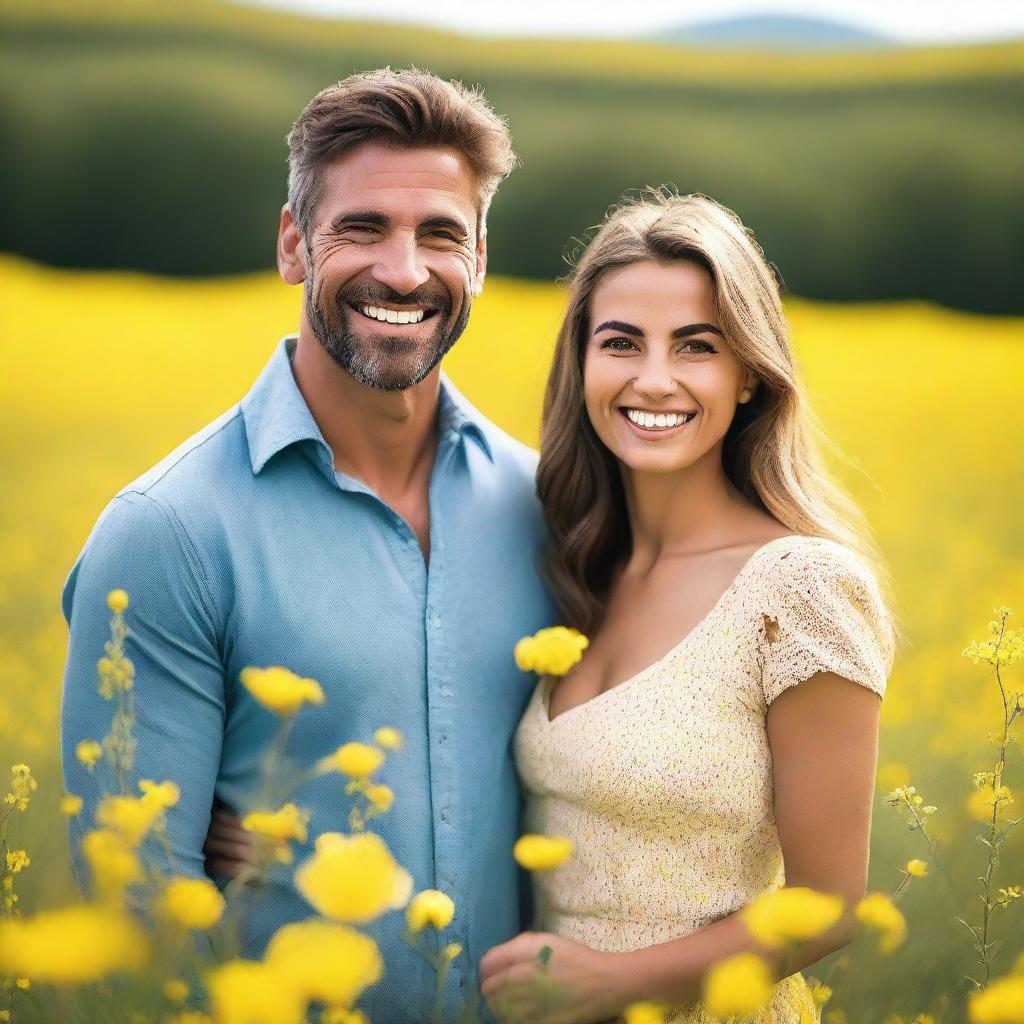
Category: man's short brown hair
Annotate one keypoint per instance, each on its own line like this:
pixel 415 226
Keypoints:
pixel 407 108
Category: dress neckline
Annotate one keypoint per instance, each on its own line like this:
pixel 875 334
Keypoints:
pixel 543 685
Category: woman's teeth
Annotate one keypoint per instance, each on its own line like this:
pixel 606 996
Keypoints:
pixel 658 421
pixel 393 316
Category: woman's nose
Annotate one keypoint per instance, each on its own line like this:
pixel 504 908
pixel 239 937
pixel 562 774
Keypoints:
pixel 655 380
pixel 399 267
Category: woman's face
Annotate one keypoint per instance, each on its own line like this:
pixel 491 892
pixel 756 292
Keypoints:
pixel 660 383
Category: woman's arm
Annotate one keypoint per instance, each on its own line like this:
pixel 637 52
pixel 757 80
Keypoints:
pixel 823 735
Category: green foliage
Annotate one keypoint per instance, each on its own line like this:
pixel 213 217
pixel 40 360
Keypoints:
pixel 152 137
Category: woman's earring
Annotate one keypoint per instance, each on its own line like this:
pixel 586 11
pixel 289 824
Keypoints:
pixel 745 395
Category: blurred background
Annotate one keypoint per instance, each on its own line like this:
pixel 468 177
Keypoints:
pixel 877 152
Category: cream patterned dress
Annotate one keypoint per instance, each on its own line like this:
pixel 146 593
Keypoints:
pixel 664 782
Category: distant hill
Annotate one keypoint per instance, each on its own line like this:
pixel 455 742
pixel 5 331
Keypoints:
pixel 776 32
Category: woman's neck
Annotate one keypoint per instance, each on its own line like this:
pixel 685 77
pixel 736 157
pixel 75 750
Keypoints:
pixel 696 509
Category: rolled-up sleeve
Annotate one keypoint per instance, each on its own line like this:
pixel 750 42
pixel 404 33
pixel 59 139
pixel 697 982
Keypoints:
pixel 174 641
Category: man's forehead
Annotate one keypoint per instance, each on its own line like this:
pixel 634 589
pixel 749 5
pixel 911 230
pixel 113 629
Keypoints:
pixel 401 176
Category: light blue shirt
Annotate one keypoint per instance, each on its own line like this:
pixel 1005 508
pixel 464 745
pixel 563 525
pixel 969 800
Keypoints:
pixel 245 547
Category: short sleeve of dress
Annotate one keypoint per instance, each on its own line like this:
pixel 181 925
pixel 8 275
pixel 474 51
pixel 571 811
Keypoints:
pixel 823 612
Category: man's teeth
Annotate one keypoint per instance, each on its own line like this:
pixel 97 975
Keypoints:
pixel 393 316
pixel 658 421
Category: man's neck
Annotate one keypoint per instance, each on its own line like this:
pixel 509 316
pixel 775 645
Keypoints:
pixel 386 439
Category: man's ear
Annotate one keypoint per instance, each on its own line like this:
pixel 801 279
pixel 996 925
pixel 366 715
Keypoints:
pixel 481 261
pixel 291 249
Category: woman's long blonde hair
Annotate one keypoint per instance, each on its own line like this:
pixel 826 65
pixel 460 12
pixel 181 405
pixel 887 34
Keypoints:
pixel 771 451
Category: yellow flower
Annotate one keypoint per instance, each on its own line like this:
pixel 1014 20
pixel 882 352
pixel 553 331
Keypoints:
pixel 645 1013
pixel 983 800
pixel 820 993
pixel 356 760
pixel 70 805
pixel 451 951
pixel 353 878
pixel 22 787
pixel 189 1017
pixel 923 1018
pixel 791 914
pixel 159 794
pixel 1001 1003
pixel 542 853
pixel 117 601
pixel 193 903
pixel 130 816
pixel 551 652
pixel 279 826
pixel 429 907
pixel 334 1015
pixel 328 962
pixel 111 860
pixel 17 860
pixel 740 984
pixel 380 796
pixel 176 990
pixel 72 946
pixel 243 992
pixel 877 911
pixel 388 738
pixel 88 752
pixel 23 983
pixel 917 868
pixel 279 690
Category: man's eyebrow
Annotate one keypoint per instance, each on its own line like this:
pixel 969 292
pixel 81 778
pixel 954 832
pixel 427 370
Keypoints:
pixel 636 332
pixel 361 217
pixel 382 220
pixel 441 221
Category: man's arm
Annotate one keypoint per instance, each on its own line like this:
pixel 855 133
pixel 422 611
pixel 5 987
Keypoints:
pixel 138 545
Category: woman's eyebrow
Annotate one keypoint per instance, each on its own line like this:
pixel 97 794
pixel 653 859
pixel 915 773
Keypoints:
pixel 619 325
pixel 636 332
pixel 685 332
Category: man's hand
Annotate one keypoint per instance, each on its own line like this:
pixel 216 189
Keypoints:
pixel 228 847
pixel 546 979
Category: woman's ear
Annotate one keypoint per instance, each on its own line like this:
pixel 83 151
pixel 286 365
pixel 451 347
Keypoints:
pixel 291 249
pixel 749 389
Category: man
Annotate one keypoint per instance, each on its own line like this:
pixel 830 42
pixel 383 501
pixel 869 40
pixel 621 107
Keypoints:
pixel 354 519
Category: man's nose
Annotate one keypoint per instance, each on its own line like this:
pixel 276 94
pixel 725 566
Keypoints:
pixel 399 267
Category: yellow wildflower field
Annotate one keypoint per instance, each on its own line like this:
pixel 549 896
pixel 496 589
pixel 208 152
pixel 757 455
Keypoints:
pixel 103 374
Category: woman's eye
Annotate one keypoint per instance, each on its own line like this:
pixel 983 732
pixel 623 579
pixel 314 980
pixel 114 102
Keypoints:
pixel 617 344
pixel 698 347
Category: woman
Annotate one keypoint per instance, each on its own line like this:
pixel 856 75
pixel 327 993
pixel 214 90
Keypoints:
pixel 723 721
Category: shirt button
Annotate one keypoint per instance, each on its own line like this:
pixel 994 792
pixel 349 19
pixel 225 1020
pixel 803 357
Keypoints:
pixel 445 691
pixel 443 738
pixel 444 813
pixel 435 620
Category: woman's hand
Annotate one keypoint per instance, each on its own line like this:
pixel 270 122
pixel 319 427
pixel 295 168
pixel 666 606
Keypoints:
pixel 228 848
pixel 573 985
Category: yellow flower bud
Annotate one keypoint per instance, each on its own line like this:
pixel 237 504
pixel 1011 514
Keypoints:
pixel 117 601
pixel 388 738
pixel 542 853
pixel 356 760
pixel 429 907
pixel 88 752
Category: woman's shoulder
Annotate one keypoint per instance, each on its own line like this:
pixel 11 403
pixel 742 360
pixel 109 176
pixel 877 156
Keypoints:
pixel 793 555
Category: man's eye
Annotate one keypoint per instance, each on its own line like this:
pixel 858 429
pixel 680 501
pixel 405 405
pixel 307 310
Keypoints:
pixel 617 344
pixel 446 236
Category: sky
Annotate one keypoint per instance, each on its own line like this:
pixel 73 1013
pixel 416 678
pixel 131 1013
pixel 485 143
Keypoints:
pixel 909 21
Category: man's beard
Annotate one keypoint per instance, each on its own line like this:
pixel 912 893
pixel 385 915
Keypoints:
pixel 392 363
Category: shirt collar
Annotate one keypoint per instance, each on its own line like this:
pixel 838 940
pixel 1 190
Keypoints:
pixel 276 414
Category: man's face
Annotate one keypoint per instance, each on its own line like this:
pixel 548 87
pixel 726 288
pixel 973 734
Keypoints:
pixel 393 261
